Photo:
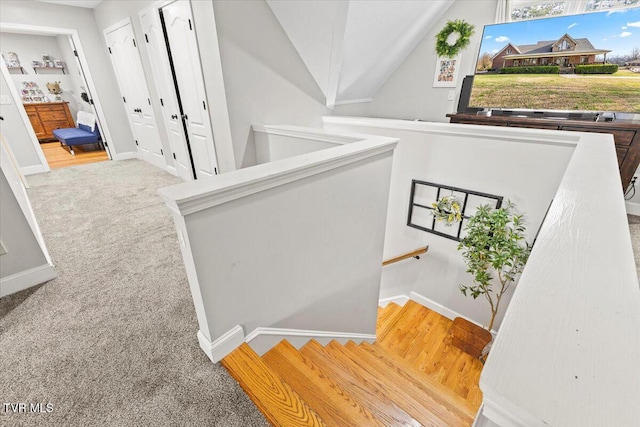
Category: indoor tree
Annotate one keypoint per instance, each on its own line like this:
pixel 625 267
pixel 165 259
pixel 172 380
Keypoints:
pixel 494 248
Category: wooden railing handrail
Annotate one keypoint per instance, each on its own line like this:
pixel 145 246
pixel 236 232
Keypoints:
pixel 413 254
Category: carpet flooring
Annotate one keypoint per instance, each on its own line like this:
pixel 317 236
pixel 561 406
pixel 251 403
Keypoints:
pixel 112 340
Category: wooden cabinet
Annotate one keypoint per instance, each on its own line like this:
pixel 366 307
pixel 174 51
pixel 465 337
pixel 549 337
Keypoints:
pixel 47 116
pixel 626 134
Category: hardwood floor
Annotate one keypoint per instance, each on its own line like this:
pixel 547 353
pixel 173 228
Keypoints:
pixel 59 157
pixel 411 376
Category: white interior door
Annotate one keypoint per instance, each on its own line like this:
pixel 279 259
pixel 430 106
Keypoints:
pixel 133 86
pixel 159 58
pixel 178 21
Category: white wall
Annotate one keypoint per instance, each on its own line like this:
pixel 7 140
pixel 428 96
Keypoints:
pixel 292 244
pixel 31 47
pixel 526 173
pixel 15 132
pixel 26 262
pixel 82 20
pixel 408 94
pixel 266 81
pixel 23 251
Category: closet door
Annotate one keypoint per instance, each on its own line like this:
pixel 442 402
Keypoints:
pixel 133 86
pixel 183 46
pixel 171 115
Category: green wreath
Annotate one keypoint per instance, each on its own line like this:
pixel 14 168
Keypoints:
pixel 447 209
pixel 447 50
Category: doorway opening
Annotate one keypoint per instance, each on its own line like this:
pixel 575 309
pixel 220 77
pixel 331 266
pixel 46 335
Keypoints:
pixel 51 87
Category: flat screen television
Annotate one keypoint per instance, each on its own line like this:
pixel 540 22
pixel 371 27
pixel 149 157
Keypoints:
pixel 576 63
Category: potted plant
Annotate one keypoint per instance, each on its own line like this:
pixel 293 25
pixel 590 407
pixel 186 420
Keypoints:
pixel 495 252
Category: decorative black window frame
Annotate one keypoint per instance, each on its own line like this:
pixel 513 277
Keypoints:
pixel 441 187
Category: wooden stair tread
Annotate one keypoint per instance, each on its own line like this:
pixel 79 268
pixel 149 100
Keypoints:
pixel 361 385
pixel 318 389
pixel 386 361
pixel 276 400
pixel 397 319
pixel 384 314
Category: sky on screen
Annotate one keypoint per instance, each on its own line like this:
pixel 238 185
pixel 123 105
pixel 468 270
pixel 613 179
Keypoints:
pixel 618 31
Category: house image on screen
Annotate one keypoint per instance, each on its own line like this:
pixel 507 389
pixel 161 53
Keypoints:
pixel 565 52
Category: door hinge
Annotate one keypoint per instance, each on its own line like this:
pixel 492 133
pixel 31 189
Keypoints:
pixel 204 105
pixel 215 170
pixel 91 101
pixel 149 101
pixel 134 43
pixel 161 102
pixel 146 37
pixel 105 143
pixel 161 152
pixel 75 52
pixel 190 27
pixel 174 156
pixel 109 50
pixel 136 142
pixel 124 100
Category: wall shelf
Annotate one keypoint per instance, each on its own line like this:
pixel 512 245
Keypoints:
pixel 19 69
pixel 35 69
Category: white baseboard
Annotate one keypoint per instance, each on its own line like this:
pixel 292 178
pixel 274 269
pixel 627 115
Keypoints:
pixel 401 300
pixel 441 309
pixel 262 340
pixel 32 170
pixel 224 345
pixel 633 208
pixel 26 279
pixel 126 156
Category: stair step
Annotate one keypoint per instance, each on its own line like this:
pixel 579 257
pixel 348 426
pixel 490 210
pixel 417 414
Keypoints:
pixel 451 408
pixel 331 402
pixel 395 320
pixel 360 384
pixel 384 314
pixel 278 402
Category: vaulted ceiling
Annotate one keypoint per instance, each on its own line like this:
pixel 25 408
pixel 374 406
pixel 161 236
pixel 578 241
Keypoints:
pixel 352 47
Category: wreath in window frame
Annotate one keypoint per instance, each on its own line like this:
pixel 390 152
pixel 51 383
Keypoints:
pixel 465 31
pixel 448 210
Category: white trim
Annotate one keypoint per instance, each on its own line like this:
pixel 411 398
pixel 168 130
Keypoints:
pixel 32 170
pixel 191 197
pixel 401 300
pixel 353 101
pixel 304 133
pixel 224 345
pixel 126 156
pixel 525 135
pixel 633 208
pixel 262 340
pixel 444 311
pixel 26 279
pixel 13 91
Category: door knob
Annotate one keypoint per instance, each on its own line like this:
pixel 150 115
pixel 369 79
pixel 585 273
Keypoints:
pixel 174 116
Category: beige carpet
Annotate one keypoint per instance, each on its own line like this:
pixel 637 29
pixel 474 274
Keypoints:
pixel 112 341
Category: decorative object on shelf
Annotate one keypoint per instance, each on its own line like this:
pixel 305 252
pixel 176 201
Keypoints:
pixel 446 73
pixel 37 64
pixel 453 38
pixel 494 244
pixel 54 88
pixel 58 63
pixel 448 210
pixel 12 60
pixel 31 93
